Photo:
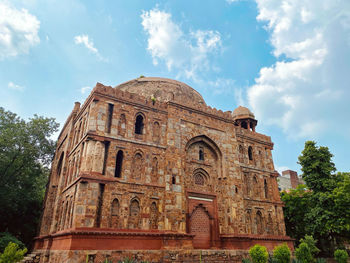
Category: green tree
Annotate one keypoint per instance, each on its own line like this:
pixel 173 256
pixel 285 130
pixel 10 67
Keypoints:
pixel 26 150
pixel 281 254
pixel 319 209
pixel 258 254
pixel 12 253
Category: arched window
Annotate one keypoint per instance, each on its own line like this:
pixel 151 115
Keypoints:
pixel 173 180
pixel 248 222
pixel 199 179
pixel 247 184
pixel 137 165
pixel 115 207
pixel 156 132
pixel 241 154
pixel 201 154
pixel 134 208
pixel 259 223
pixel 59 166
pixel 250 153
pixel 244 125
pixel 269 225
pixel 114 219
pixel 154 172
pixel 139 124
pixel 122 125
pixel 118 164
pixel 266 189
pixel 134 214
pixel 256 187
pixel 153 216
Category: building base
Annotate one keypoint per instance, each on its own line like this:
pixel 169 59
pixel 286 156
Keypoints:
pixel 96 245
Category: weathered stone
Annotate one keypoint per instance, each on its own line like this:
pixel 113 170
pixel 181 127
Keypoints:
pixel 147 166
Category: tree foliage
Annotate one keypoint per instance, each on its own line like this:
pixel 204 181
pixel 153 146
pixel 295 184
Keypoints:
pixel 25 153
pixel 6 238
pixel 12 253
pixel 319 208
pixel 303 253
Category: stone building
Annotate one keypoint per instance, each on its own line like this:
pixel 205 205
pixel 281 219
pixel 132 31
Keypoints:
pixel 147 168
pixel 288 180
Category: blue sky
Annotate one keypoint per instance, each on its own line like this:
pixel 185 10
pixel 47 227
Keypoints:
pixel 288 61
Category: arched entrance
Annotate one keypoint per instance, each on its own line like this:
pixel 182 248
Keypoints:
pixel 200 227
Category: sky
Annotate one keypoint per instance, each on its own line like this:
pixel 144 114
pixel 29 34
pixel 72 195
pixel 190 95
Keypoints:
pixel 288 61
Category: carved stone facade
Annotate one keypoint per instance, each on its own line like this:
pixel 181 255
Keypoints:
pixel 147 165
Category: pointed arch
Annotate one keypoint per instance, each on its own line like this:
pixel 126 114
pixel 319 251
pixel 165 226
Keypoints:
pixel 153 216
pixel 259 222
pixel 205 139
pixel 139 123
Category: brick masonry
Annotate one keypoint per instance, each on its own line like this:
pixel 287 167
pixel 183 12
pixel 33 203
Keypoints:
pixel 148 166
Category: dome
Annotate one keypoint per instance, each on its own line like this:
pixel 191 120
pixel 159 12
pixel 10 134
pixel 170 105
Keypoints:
pixel 162 89
pixel 242 113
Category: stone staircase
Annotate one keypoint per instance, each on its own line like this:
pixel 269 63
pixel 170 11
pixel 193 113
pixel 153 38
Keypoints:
pixel 33 257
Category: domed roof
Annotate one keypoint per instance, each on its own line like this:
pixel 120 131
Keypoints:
pixel 242 113
pixel 162 89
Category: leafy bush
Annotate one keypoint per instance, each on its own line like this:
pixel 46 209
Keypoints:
pixel 341 256
pixel 281 254
pixel 6 237
pixel 259 254
pixel 321 260
pixel 311 243
pixel 12 253
pixel 246 260
pixel 303 253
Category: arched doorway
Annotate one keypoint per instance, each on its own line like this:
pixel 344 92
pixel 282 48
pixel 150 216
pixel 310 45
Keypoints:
pixel 200 228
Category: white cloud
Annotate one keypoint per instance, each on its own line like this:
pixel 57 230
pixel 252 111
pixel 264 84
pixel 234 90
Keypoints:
pixel 86 89
pixel 18 31
pixel 14 86
pixel 307 94
pixel 232 1
pixel 89 44
pixel 187 53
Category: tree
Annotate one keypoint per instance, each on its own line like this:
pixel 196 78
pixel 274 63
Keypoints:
pixel 26 151
pixel 319 209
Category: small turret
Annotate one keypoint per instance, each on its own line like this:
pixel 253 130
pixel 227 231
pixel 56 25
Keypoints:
pixel 244 118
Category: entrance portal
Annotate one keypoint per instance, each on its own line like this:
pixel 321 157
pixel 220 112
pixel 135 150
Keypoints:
pixel 200 227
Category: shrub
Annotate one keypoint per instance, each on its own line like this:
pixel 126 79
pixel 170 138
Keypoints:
pixel 303 253
pixel 246 260
pixel 311 243
pixel 5 238
pixel 281 254
pixel 12 253
pixel 341 256
pixel 321 260
pixel 259 254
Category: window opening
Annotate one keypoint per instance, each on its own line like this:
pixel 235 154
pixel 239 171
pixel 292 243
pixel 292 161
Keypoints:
pixel 250 153
pixel 201 154
pixel 110 117
pixel 118 164
pixel 139 125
